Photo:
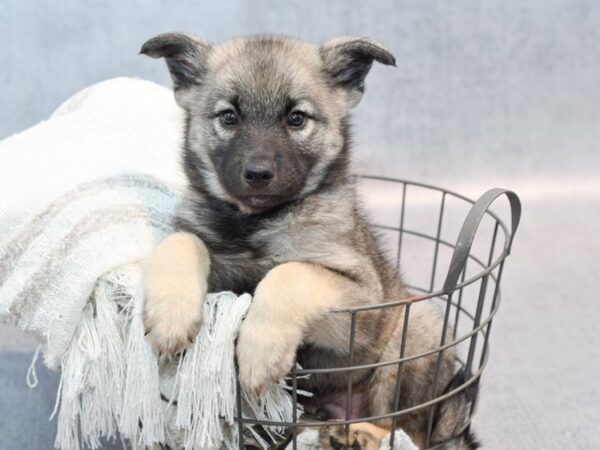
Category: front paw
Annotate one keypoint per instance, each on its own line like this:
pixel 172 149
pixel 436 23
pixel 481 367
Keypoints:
pixel 265 353
pixel 174 289
pixel 274 327
pixel 361 436
pixel 172 322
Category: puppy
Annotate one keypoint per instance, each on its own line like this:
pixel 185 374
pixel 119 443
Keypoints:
pixel 272 210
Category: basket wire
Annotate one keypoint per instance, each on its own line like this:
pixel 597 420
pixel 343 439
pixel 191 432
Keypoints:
pixel 485 270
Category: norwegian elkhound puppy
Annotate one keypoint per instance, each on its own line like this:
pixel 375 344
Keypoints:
pixel 272 210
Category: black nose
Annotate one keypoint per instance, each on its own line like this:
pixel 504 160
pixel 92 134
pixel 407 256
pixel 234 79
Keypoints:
pixel 258 174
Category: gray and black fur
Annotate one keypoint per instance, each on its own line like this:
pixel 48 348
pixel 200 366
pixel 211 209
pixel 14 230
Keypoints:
pixel 267 157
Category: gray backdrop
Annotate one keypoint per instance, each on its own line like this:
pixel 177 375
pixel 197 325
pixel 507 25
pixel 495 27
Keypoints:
pixel 494 92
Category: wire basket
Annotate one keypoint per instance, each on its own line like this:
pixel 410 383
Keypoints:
pixel 444 259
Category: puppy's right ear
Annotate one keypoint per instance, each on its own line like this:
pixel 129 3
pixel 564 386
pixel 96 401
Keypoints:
pixel 185 56
pixel 347 60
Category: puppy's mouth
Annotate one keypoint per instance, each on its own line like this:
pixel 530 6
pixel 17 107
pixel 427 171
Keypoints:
pixel 262 202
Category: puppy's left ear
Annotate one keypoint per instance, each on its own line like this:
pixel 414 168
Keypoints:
pixel 184 54
pixel 347 61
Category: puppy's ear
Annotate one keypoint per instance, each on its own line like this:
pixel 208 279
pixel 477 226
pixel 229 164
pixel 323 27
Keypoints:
pixel 347 61
pixel 185 56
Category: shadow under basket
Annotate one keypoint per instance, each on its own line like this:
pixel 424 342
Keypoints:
pixel 451 250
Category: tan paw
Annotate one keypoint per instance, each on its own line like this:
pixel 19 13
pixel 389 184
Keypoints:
pixel 265 354
pixel 275 324
pixel 361 436
pixel 175 284
pixel 268 339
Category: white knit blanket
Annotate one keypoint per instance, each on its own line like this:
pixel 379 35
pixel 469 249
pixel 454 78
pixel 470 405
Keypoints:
pixel 83 196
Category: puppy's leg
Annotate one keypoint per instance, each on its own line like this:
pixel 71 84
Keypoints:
pixel 175 284
pixel 290 297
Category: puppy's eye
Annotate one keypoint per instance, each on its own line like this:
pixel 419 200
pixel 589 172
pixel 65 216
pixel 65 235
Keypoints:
pixel 229 118
pixel 296 119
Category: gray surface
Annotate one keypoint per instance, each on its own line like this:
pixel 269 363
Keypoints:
pixel 25 412
pixel 513 80
pixel 486 93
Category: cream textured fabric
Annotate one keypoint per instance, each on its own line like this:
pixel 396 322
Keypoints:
pixel 92 188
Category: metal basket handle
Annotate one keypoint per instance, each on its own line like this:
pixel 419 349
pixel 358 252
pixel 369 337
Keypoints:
pixel 469 230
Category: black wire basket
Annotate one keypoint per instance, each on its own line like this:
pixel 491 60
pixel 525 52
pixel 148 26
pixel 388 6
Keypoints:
pixel 444 259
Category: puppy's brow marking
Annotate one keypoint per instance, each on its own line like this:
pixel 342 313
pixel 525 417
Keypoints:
pixel 223 105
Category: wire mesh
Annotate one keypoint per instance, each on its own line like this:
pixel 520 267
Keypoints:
pixel 457 262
